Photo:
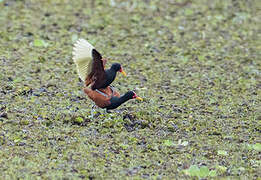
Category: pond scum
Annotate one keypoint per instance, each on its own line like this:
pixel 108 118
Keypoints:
pixel 195 63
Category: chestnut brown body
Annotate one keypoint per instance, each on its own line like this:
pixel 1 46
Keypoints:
pixel 102 99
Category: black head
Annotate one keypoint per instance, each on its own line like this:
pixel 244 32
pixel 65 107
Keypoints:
pixel 116 67
pixel 131 95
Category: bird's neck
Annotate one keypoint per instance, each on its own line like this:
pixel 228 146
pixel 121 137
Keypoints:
pixel 124 98
pixel 116 102
pixel 110 75
pixel 111 72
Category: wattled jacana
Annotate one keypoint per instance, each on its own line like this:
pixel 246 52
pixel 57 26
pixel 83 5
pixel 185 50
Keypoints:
pixel 90 66
pixel 109 98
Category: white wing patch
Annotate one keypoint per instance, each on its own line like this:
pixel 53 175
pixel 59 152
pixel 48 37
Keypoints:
pixel 82 57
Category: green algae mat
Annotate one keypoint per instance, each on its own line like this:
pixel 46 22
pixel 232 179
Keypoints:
pixel 196 64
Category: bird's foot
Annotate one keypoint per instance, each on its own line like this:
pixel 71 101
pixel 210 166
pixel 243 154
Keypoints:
pixel 92 114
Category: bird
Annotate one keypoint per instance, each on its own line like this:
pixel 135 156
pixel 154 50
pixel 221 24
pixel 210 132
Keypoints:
pixel 91 69
pixel 91 66
pixel 108 98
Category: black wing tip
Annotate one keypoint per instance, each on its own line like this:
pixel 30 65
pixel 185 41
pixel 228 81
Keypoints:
pixel 96 54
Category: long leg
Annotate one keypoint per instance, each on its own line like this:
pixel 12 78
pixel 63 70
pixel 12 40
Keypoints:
pixel 92 110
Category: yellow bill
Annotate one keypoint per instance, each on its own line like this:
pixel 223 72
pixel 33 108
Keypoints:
pixel 124 73
pixel 139 98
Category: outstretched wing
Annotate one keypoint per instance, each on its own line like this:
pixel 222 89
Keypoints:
pixel 89 63
pixel 97 72
pixel 82 57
